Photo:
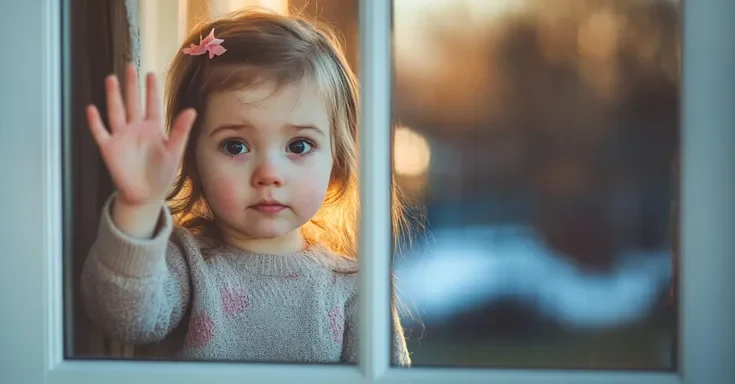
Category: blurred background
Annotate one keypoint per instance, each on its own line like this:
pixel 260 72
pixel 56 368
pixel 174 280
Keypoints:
pixel 536 141
pixel 539 138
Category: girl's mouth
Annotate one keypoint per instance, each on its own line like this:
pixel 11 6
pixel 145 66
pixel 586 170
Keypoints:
pixel 269 207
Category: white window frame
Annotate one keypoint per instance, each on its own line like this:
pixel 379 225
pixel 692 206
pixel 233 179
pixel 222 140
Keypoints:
pixel 31 340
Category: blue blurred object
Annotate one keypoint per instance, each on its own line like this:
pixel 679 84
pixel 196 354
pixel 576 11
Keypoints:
pixel 475 267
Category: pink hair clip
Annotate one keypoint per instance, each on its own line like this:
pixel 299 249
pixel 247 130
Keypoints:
pixel 208 44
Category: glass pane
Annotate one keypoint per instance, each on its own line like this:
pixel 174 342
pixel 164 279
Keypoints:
pixel 254 257
pixel 536 144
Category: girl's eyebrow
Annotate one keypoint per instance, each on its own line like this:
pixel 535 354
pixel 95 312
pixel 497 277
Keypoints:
pixel 230 127
pixel 293 127
pixel 307 127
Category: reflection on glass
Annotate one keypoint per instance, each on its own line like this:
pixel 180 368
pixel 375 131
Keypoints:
pixel 539 139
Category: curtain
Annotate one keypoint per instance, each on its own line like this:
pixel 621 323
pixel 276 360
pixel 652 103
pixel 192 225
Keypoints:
pixel 102 36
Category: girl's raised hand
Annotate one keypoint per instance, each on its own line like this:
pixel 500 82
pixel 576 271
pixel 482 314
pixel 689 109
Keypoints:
pixel 140 157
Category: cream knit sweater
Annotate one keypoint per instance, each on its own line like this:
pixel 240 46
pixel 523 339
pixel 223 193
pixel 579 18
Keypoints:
pixel 228 304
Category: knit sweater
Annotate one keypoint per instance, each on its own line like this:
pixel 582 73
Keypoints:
pixel 224 302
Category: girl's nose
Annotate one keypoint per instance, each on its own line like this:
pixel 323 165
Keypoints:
pixel 267 174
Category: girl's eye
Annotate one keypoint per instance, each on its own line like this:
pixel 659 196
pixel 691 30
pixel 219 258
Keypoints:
pixel 300 147
pixel 234 147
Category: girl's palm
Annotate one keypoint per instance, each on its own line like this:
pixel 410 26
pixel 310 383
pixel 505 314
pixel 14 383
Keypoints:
pixel 141 159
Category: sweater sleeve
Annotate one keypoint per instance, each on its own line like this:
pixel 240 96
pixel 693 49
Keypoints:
pixel 399 351
pixel 136 290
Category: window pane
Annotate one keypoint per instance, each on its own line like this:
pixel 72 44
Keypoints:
pixel 223 290
pixel 536 145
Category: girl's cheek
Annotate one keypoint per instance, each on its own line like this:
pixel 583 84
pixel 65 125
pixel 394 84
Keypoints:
pixel 312 200
pixel 223 195
pixel 311 193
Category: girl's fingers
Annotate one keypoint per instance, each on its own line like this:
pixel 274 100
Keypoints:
pixel 96 126
pixel 132 100
pixel 115 107
pixel 153 111
pixel 180 130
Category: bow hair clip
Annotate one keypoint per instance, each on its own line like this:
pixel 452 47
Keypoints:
pixel 209 44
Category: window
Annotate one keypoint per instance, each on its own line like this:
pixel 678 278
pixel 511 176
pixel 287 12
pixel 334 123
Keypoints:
pixel 31 345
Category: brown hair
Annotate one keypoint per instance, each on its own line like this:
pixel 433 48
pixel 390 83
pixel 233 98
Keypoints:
pixel 266 46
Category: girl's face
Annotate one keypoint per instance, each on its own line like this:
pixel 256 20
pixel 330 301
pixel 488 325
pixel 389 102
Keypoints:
pixel 264 159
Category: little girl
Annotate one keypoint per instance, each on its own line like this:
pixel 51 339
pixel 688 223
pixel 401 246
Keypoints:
pixel 263 119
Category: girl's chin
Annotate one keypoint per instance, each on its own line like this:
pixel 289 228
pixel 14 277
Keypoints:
pixel 261 229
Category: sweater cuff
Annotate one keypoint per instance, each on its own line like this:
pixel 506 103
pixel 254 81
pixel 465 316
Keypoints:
pixel 127 255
